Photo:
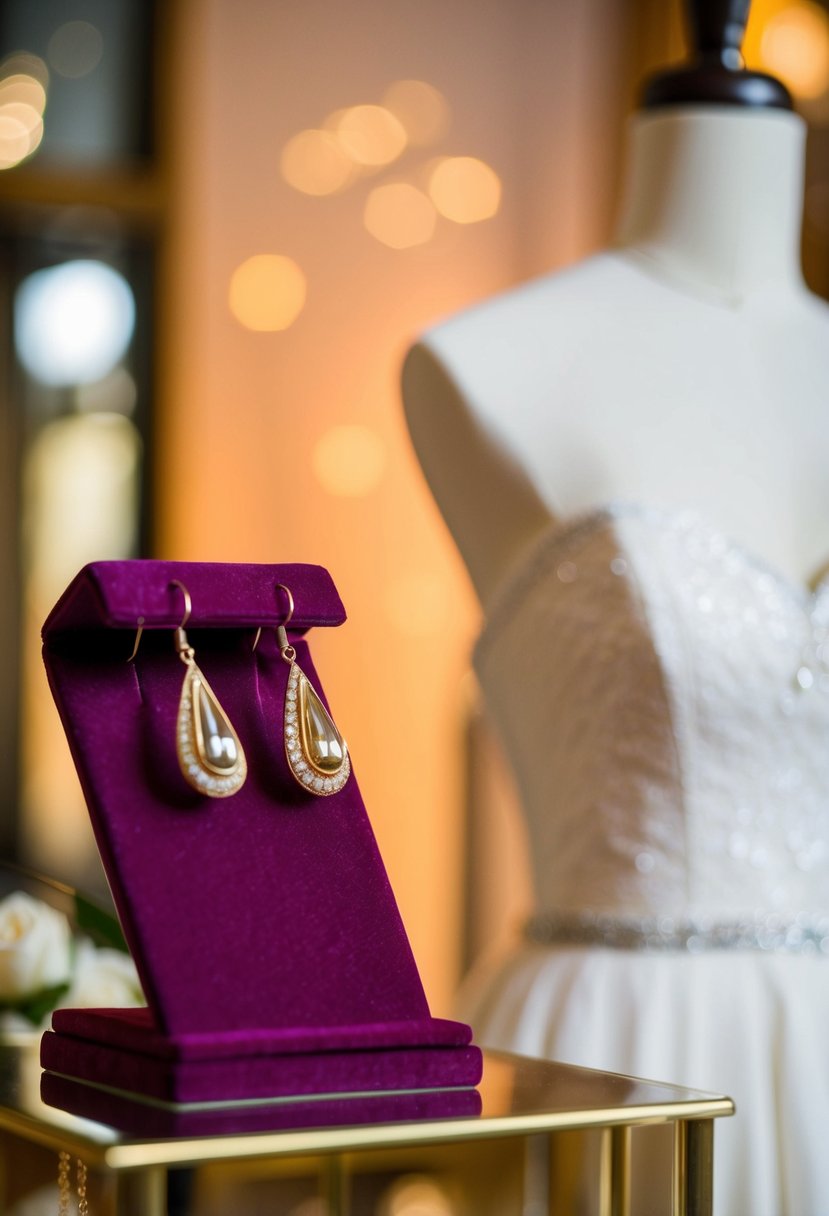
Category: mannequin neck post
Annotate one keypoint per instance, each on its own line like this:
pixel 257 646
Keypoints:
pixel 713 196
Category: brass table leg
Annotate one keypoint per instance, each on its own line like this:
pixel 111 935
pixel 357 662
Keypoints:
pixel 141 1193
pixel 694 1167
pixel 538 1165
pixel 334 1186
pixel 614 1185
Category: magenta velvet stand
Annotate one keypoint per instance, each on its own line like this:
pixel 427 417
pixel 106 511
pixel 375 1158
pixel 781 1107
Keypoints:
pixel 263 925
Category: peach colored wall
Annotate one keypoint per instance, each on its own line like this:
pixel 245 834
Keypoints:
pixel 533 91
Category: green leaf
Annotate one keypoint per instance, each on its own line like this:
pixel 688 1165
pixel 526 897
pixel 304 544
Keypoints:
pixel 98 924
pixel 34 1008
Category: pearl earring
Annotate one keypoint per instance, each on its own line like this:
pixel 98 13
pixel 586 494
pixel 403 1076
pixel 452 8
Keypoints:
pixel 316 751
pixel 210 755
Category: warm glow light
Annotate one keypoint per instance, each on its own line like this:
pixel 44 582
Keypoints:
pixel 421 108
pixel 22 63
pixel 23 89
pixel 22 101
pixel 80 488
pixel 73 322
pixel 15 141
pixel 332 122
pixel 267 292
pixel 416 1195
pixel 75 49
pixel 23 116
pixel 416 603
pixel 311 1207
pixel 21 131
pixel 794 45
pixel 371 135
pixel 399 215
pixel 314 162
pixel 28 117
pixel 465 189
pixel 349 461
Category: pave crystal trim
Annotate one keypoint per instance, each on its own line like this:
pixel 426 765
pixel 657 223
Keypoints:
pixel 803 933
pixel 297 748
pixel 207 778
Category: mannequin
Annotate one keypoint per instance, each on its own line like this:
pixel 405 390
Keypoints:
pixel 694 337
pixel 649 716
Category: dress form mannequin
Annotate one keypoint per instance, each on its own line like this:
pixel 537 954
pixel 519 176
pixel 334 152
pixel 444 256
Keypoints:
pixel 687 366
pixel 639 666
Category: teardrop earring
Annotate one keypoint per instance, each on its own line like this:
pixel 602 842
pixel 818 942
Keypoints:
pixel 316 751
pixel 209 753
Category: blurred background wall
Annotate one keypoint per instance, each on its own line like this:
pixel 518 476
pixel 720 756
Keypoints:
pixel 221 224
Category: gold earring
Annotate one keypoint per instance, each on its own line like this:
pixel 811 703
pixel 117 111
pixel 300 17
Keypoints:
pixel 210 755
pixel 316 751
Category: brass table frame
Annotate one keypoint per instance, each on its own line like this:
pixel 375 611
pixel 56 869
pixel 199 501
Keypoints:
pixel 521 1097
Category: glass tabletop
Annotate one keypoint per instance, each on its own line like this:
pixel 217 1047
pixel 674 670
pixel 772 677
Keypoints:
pixel 516 1096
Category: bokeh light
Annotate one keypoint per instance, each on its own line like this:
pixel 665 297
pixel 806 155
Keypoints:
pixel 267 292
pixel 22 102
pixel 349 461
pixel 16 141
pixel 417 603
pixel 421 108
pixel 416 1195
pixel 73 322
pixel 314 162
pixel 26 116
pixel 81 487
pixel 794 45
pixel 465 189
pixel 23 63
pixel 399 215
pixel 370 135
pixel 75 49
pixel 311 1207
pixel 22 88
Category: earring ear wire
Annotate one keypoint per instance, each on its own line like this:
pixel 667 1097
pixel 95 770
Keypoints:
pixel 139 630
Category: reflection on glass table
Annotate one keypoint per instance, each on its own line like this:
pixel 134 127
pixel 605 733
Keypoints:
pixel 517 1099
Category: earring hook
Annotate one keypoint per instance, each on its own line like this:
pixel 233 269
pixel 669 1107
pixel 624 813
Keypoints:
pixel 287 590
pixel 188 603
pixel 282 636
pixel 182 645
pixel 139 631
pixel 285 648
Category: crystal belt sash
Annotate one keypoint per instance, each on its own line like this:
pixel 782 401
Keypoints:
pixel 803 933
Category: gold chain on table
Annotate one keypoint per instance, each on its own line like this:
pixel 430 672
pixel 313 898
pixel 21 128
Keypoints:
pixel 83 1202
pixel 64 1161
pixel 65 1186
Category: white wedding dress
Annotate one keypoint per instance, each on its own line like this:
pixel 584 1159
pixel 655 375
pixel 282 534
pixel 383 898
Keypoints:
pixel 676 786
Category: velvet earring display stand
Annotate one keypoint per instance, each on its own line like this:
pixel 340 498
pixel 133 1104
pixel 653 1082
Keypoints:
pixel 265 932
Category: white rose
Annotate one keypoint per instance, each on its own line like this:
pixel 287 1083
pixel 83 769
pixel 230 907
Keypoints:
pixel 104 978
pixel 35 947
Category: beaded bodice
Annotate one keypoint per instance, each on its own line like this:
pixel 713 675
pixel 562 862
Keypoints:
pixel 664 700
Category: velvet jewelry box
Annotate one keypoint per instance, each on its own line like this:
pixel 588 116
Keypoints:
pixel 265 932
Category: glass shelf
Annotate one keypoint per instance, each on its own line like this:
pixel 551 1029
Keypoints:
pixel 519 1097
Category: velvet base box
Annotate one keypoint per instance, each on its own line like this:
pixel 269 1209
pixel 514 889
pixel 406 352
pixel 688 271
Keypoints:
pixel 122 1050
pixel 263 925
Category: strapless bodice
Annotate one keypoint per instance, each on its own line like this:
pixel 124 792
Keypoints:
pixel 663 696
